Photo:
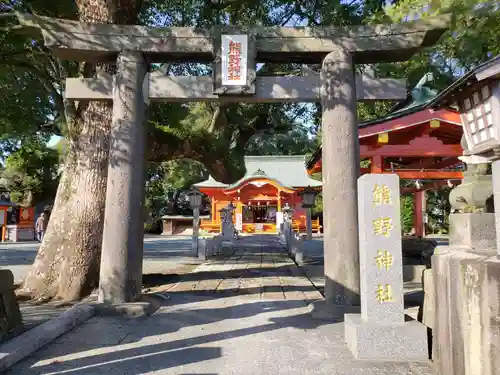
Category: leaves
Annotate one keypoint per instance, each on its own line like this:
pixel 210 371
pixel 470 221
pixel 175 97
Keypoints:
pixel 218 136
pixel 30 173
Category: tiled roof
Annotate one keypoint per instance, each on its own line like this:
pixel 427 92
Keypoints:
pixel 288 170
pixel 418 99
pixel 211 183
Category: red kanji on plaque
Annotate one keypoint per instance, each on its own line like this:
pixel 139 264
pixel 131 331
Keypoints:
pixel 234 68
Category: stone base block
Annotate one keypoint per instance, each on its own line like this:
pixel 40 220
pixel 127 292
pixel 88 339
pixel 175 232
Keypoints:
pixel 18 233
pixel 127 310
pixel 428 305
pixel 413 273
pixel 299 257
pixel 465 337
pixel 214 246
pixel 382 341
pixel 473 230
pixel 203 244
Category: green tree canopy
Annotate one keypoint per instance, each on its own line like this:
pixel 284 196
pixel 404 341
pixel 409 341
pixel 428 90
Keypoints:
pixel 30 173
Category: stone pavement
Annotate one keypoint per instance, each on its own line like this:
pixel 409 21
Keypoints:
pixel 242 313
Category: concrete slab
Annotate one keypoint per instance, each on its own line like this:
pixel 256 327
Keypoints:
pixel 206 328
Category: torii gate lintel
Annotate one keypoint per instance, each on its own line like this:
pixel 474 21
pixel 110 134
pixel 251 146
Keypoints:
pixel 73 40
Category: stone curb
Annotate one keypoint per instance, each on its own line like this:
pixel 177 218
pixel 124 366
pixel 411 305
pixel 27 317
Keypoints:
pixel 34 339
pixel 127 310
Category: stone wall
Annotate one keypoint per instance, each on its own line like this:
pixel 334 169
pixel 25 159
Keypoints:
pixel 10 316
pixel 466 307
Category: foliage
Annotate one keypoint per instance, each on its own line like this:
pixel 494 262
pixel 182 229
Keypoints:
pixel 166 186
pixel 407 213
pixel 30 173
pixel 297 141
pixel 24 103
pixel 317 209
pixel 474 37
pixel 438 210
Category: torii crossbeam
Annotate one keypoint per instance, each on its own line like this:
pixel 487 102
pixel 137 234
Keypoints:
pixel 161 88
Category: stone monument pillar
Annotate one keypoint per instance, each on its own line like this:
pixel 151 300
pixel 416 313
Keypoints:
pixel 380 331
pixel 227 222
pixel 340 172
pixel 122 244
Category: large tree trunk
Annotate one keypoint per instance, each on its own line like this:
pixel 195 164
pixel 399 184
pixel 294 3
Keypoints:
pixel 67 264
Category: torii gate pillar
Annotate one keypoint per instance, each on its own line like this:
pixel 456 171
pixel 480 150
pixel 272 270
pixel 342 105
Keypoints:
pixel 341 170
pixel 122 244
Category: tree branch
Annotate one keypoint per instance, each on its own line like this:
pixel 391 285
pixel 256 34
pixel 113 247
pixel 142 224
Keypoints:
pixel 42 76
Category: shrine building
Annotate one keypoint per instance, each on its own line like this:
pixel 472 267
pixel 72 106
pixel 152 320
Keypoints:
pixel 415 142
pixel 269 184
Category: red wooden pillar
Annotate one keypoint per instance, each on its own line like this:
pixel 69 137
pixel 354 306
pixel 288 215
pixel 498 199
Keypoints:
pixel 419 203
pixel 377 164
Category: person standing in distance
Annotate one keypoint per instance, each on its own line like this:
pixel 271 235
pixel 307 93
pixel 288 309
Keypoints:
pixel 40 226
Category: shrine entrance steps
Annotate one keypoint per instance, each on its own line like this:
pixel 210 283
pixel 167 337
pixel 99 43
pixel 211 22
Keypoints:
pixel 244 312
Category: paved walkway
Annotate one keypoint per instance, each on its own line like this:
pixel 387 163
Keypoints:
pixel 245 313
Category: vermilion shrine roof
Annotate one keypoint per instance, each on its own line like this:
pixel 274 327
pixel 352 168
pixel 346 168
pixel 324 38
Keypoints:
pixel 288 171
pixel 410 118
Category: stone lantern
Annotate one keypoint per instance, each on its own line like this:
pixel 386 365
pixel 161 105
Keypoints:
pixel 480 113
pixel 195 198
pixel 308 197
pixel 286 226
pixel 465 276
pixel 477 97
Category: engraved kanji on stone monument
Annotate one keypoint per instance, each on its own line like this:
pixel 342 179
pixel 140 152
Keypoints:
pixel 380 248
pixel 380 331
pixel 383 259
pixel 381 195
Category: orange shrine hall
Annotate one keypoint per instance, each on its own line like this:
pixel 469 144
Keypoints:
pixel 259 197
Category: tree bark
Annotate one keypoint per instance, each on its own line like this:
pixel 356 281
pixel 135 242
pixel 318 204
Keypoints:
pixel 67 264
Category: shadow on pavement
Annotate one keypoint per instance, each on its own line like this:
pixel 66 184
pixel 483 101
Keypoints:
pixel 130 358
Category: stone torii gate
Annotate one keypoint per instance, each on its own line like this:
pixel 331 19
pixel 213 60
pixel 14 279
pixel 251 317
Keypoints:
pixel 235 52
